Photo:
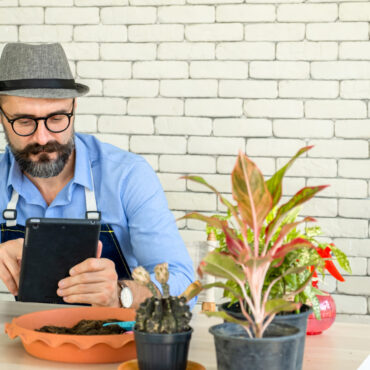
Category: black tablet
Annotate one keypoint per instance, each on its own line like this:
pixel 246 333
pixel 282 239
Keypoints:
pixel 52 246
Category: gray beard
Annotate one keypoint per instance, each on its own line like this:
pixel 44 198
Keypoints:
pixel 44 167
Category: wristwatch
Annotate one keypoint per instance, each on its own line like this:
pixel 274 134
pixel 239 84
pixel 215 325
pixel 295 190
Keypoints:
pixel 125 295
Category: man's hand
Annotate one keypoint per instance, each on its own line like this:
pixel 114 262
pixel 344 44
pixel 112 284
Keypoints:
pixel 10 257
pixel 93 281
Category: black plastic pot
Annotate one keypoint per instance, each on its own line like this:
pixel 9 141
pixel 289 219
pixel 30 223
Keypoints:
pixel 235 350
pixel 299 320
pixel 162 351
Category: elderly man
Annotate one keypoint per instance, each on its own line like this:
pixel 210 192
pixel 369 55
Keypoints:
pixel 50 171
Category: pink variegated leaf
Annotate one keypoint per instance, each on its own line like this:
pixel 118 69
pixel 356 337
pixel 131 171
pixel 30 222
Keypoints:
pixel 274 184
pixel 250 192
pixel 300 197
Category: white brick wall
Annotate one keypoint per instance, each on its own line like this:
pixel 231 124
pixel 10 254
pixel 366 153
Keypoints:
pixel 186 83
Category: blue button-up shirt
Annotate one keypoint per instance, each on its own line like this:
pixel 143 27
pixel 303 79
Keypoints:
pixel 128 195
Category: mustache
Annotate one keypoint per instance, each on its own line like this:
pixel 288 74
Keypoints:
pixel 35 148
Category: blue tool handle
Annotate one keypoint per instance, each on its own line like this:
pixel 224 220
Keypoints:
pixel 128 325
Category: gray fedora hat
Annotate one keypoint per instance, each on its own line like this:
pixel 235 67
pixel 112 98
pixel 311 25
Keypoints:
pixel 37 71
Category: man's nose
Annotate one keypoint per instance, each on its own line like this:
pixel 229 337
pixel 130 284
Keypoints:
pixel 42 135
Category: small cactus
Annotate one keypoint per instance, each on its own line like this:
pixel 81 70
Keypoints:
pixel 166 314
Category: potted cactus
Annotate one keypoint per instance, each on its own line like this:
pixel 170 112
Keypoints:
pixel 162 331
pixel 256 248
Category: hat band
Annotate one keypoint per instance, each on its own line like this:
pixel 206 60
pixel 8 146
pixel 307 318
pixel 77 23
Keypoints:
pixel 35 83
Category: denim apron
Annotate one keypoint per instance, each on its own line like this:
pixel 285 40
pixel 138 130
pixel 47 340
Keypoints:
pixel 10 230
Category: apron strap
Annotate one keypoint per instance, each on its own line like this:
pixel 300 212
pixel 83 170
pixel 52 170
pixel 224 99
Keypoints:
pixel 10 213
pixel 92 212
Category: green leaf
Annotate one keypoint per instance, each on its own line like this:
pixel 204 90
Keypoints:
pixel 314 301
pixel 250 192
pixel 221 265
pixel 341 258
pixel 278 305
pixel 225 316
pixel 274 184
pixel 224 286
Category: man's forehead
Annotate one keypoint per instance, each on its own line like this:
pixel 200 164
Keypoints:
pixel 18 104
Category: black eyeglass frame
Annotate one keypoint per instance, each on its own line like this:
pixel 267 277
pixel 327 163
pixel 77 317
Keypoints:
pixel 45 119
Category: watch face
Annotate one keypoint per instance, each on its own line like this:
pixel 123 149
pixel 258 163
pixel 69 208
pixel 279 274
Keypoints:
pixel 126 297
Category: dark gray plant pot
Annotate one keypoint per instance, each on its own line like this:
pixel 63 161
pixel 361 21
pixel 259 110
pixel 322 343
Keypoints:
pixel 236 351
pixel 299 320
pixel 162 351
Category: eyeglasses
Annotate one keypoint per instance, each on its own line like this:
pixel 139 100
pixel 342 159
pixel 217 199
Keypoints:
pixel 26 126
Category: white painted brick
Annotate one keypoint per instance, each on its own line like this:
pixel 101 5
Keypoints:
pixel 104 69
pixel 215 145
pixel 354 247
pixel 9 33
pixel 359 50
pixel 355 89
pixel 240 127
pixel 80 50
pixel 245 13
pixel 160 69
pixel 218 69
pixel 187 164
pixel 120 141
pixel 46 2
pixel 307 50
pixel 22 16
pixel 358 266
pixel 101 105
pixel 186 14
pixel 248 89
pixel 125 125
pixel 354 12
pixel 354 168
pixel 152 160
pixel 183 126
pixel 368 272
pixel 9 3
pixel 155 107
pixel 340 188
pixel 226 164
pixel 186 51
pixel 72 15
pixel 328 284
pixel 156 33
pixel 128 15
pixel 95 85
pixel 100 2
pixel 191 201
pixel 357 285
pixel 198 225
pixel 355 208
pixel 335 109
pixel 189 88
pixel 245 50
pixel 177 215
pixel 158 144
pixel 350 304
pixel 307 12
pixel 274 32
pixel 337 31
pixel 128 51
pixel 213 2
pixel 310 167
pixel 131 88
pixel 3 142
pixel 85 123
pixel 308 89
pixel 100 33
pixel 273 147
pixel 190 236
pixel 277 108
pixel 213 107
pixel 320 207
pixel 172 182
pixel 361 319
pixel 221 182
pixel 347 228
pixel 279 70
pixel 72 66
pixel 156 2
pixel 303 128
pixel 214 32
pixel 340 70
pixel 291 186
pixel 275 1
pixel 339 149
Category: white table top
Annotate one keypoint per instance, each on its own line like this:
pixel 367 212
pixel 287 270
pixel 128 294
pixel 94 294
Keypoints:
pixel 343 347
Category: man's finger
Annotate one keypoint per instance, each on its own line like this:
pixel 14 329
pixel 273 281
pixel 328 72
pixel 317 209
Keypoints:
pixel 99 249
pixel 8 280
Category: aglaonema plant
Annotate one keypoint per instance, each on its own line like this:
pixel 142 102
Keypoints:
pixel 255 246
